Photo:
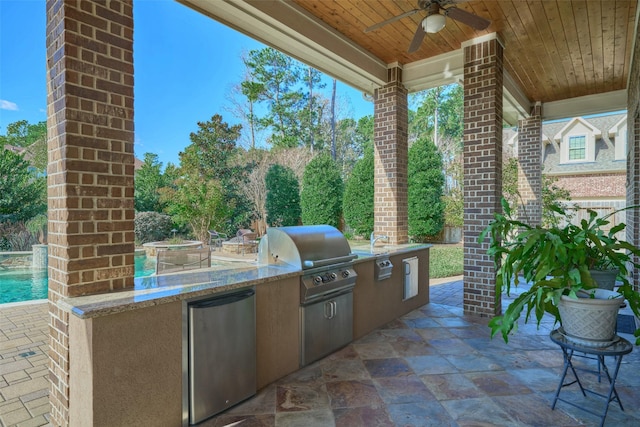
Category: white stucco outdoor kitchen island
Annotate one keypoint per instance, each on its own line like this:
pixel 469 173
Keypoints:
pixel 128 347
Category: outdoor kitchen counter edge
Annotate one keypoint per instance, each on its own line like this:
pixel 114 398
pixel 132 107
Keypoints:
pixel 365 254
pixel 155 290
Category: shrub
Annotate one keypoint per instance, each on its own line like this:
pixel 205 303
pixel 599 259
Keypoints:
pixel 358 196
pixel 283 196
pixel 15 237
pixel 426 180
pixel 152 227
pixel 322 188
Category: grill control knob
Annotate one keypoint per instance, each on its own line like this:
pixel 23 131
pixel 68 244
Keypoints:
pixel 333 276
pixel 317 280
pixel 345 273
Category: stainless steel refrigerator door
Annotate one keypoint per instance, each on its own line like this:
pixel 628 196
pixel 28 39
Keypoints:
pixel 222 353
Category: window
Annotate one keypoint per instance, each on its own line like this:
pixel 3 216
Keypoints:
pixel 577 148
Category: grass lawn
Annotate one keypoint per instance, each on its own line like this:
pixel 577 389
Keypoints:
pixel 445 261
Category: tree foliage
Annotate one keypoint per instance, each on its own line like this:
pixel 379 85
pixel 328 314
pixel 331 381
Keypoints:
pixel 198 203
pixel 275 77
pixel 554 197
pixel 213 156
pixel 352 139
pixel 293 109
pixel 359 195
pixel 149 179
pixel 321 196
pixel 23 194
pixel 283 197
pixel 152 227
pixel 439 113
pixel 31 137
pixel 425 183
pixel 23 134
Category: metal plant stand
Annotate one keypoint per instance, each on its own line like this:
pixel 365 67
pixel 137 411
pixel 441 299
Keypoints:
pixel 617 350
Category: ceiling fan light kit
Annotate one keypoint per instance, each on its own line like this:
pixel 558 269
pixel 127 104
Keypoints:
pixel 433 23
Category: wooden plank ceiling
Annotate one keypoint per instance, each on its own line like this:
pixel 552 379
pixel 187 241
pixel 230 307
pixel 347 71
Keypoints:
pixel 553 49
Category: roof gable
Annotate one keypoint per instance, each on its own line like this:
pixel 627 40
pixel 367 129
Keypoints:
pixel 577 123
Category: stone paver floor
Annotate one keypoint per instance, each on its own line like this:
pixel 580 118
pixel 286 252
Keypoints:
pixel 434 366
pixel 24 380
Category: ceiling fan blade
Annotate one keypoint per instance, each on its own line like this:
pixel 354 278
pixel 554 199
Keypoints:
pixel 417 39
pixel 474 21
pixel 389 21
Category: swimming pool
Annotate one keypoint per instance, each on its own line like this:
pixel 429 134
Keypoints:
pixel 30 284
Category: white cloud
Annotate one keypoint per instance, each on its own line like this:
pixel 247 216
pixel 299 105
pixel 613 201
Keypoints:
pixel 8 105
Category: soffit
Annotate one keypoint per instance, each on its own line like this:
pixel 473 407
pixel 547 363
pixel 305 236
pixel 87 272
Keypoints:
pixel 573 56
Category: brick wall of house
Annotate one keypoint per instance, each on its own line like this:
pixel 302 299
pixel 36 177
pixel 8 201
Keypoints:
pixel 483 73
pixel 391 159
pixel 91 164
pixel 605 185
pixel 529 167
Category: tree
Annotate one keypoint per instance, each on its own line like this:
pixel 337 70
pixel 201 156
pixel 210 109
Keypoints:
pixel 23 134
pixel 244 99
pixel 148 181
pixel 426 209
pixel 359 196
pixel 255 188
pixel 554 197
pixel 33 138
pixel 439 114
pixel 283 197
pixel 322 188
pixel 198 203
pixel 23 194
pixel 213 155
pixel 275 77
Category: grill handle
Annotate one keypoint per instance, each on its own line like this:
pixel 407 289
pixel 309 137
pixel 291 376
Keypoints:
pixel 329 261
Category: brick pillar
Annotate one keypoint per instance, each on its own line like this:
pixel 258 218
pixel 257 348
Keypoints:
pixel 482 170
pixel 530 167
pixel 633 157
pixel 90 171
pixel 391 159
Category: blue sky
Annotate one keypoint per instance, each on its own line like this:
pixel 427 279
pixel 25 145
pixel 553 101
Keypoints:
pixel 185 67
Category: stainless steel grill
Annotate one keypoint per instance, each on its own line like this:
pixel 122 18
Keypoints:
pixel 326 286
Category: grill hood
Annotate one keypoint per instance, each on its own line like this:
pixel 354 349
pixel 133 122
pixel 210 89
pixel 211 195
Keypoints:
pixel 305 246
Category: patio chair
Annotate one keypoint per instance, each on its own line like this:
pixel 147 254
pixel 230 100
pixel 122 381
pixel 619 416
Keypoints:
pixel 173 260
pixel 216 238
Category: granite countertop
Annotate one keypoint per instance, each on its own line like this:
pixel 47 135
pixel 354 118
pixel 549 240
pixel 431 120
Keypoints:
pixel 154 290
pixel 364 251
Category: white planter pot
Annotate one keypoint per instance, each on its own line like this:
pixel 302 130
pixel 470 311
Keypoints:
pixel 590 321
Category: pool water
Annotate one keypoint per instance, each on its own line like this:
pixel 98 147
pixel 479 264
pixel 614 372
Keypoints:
pixel 30 284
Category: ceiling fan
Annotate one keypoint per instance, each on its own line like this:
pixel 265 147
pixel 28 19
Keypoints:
pixel 435 21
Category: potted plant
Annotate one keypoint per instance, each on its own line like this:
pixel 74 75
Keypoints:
pixel 556 261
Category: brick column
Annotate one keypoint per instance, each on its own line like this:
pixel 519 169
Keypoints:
pixel 90 172
pixel 633 156
pixel 530 167
pixel 391 159
pixel 482 169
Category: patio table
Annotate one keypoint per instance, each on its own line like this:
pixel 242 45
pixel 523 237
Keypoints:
pixel 617 350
